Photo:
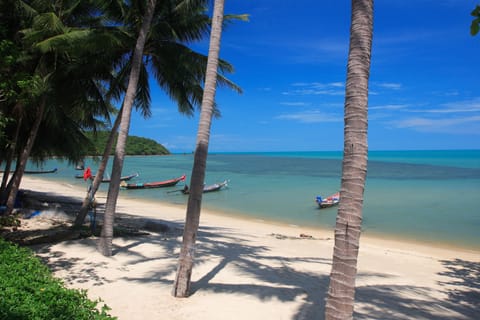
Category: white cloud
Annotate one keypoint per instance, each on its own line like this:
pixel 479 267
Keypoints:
pixel 454 107
pixel 295 104
pixel 310 117
pixel 316 88
pixel 389 85
pixel 389 107
pixel 445 125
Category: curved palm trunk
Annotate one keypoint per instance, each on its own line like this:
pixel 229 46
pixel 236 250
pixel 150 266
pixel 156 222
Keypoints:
pixel 105 242
pixel 87 201
pixel 8 164
pixel 341 292
pixel 17 177
pixel 181 286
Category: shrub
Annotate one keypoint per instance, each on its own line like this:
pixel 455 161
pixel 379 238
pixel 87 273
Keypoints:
pixel 29 291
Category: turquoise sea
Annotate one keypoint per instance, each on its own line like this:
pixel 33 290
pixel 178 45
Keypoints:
pixel 426 196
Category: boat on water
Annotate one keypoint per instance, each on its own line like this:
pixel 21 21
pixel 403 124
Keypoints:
pixel 208 188
pixel 123 178
pixel 329 201
pixel 41 171
pixel 158 184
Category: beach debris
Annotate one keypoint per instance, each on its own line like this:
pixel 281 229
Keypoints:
pixel 301 236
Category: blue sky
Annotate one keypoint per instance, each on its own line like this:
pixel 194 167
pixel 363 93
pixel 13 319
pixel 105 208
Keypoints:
pixel 290 60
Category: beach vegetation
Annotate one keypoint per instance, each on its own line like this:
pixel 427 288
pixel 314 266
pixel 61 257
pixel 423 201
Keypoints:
pixel 53 98
pixel 29 290
pixel 135 145
pixel 341 291
pixel 56 97
pixel 475 26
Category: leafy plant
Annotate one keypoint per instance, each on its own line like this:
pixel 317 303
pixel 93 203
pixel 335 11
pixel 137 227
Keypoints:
pixel 9 221
pixel 29 291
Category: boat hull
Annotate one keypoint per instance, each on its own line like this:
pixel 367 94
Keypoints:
pixel 329 201
pixel 150 185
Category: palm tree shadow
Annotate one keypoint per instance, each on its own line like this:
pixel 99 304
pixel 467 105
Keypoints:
pixel 458 300
pixel 277 277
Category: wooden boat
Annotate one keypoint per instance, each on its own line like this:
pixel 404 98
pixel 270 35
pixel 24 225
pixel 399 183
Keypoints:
pixel 80 166
pixel 41 171
pixel 158 184
pixel 329 201
pixel 209 188
pixel 124 178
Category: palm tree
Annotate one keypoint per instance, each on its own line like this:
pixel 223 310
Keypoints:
pixel 62 86
pixel 475 25
pixel 87 201
pixel 340 299
pixel 177 69
pixel 105 242
pixel 181 286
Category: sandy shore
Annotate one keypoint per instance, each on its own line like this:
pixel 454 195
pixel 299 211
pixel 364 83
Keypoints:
pixel 253 270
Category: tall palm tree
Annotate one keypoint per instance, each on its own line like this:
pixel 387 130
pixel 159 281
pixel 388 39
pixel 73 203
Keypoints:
pixel 59 83
pixel 176 68
pixel 341 292
pixel 181 286
pixel 87 201
pixel 105 242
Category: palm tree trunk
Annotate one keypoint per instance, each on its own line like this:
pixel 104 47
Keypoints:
pixel 181 286
pixel 17 177
pixel 105 242
pixel 341 292
pixel 87 201
pixel 8 164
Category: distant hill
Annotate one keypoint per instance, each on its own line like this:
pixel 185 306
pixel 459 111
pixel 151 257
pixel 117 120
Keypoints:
pixel 135 145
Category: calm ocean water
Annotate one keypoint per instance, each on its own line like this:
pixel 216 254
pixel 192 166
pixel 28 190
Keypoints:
pixel 428 196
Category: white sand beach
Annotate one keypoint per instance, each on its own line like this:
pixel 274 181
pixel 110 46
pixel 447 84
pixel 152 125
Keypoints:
pixel 248 269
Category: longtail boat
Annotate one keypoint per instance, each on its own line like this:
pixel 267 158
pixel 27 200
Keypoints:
pixel 40 171
pixel 157 184
pixel 208 188
pixel 123 178
pixel 329 201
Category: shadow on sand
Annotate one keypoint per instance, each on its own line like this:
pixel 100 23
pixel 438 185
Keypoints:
pixel 276 278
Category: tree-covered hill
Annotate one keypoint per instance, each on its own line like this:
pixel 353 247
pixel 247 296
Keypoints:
pixel 135 145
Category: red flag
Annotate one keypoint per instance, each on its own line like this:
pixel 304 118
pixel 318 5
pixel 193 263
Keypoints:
pixel 87 174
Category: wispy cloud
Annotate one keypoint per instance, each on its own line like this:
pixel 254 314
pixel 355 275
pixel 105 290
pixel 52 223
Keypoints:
pixel 389 107
pixel 388 85
pixel 264 89
pixel 313 116
pixel 458 125
pixel 295 104
pixel 453 107
pixel 316 88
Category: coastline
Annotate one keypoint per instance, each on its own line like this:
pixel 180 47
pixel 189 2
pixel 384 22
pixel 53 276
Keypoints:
pixel 272 268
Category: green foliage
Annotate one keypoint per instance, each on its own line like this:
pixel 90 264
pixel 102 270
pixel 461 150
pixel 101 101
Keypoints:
pixel 3 124
pixel 28 291
pixel 10 220
pixel 135 145
pixel 475 26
